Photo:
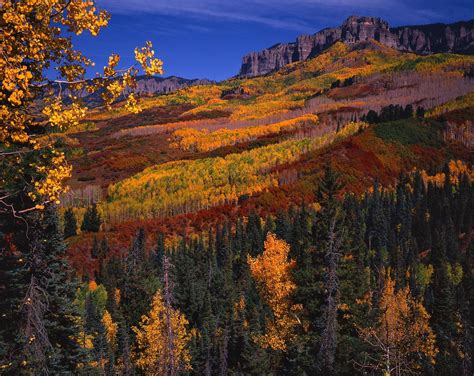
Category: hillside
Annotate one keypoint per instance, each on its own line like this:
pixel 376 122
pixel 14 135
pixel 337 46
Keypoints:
pixel 311 216
pixel 261 142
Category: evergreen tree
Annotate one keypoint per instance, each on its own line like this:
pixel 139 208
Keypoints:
pixel 330 238
pixel 420 112
pixel 91 221
pixel 139 282
pixel 51 273
pixel 283 226
pixel 70 223
pixel 445 317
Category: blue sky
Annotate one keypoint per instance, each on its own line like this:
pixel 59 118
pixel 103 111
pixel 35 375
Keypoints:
pixel 207 38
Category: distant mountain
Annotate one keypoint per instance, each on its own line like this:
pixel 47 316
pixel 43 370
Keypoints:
pixel 421 39
pixel 164 85
pixel 145 86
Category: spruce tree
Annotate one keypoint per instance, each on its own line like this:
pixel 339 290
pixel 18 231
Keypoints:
pixel 330 239
pixel 91 221
pixel 70 224
pixel 61 317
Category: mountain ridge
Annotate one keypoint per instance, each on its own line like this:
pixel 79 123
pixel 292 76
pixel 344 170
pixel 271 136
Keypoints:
pixel 145 86
pixel 457 37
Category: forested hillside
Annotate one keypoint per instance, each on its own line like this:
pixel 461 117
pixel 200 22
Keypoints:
pixel 312 218
pixel 326 288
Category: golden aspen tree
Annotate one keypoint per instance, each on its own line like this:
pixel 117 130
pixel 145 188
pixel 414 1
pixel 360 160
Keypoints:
pixel 272 272
pixel 111 329
pixel 203 140
pixel 162 350
pixel 402 337
pixel 36 37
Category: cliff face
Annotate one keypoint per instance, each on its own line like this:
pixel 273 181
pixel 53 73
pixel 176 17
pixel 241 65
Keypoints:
pixel 425 39
pixel 145 86
pixel 268 60
pixel 163 85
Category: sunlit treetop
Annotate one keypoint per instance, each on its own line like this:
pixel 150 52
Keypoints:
pixel 35 37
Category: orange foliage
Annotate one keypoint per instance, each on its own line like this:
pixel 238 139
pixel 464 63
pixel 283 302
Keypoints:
pixel 111 328
pixel 402 332
pixel 265 106
pixel 203 140
pixel 272 272
pixel 185 186
pixel 457 169
pixel 92 285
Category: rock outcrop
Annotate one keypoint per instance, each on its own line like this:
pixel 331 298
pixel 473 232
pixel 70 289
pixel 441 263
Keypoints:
pixel 424 39
pixel 145 86
pixel 164 85
pixel 436 38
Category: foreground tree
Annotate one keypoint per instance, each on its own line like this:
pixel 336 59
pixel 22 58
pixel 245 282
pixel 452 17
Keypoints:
pixel 272 272
pixel 402 340
pixel 36 36
pixel 330 235
pixel 41 335
pixel 162 340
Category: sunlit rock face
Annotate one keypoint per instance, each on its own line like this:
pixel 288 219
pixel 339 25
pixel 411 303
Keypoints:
pixel 425 39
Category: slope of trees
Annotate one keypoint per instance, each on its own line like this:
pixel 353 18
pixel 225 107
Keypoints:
pixel 291 88
pixel 185 186
pixel 380 282
pixel 203 140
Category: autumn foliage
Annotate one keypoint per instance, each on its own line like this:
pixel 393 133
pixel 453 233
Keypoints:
pixel 402 336
pixel 186 186
pixel 272 272
pixel 162 340
pixel 203 140
pixel 35 36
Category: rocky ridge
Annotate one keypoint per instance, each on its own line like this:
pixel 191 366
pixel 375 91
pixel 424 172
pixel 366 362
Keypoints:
pixel 423 39
pixel 145 86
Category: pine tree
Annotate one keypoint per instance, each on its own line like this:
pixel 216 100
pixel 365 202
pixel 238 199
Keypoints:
pixel 95 248
pixel 330 237
pixel 254 234
pixel 52 277
pixel 445 317
pixel 15 278
pixel 136 257
pixel 139 282
pixel 91 221
pixel 283 226
pixel 70 224
pixel 103 249
pixel 159 252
